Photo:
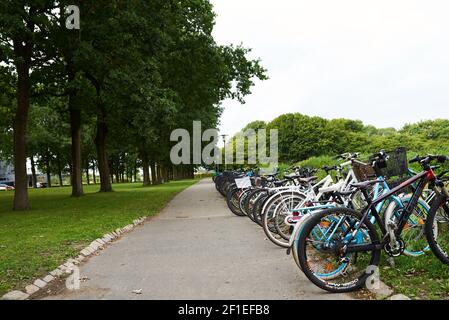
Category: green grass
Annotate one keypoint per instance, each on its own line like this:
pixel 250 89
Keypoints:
pixel 34 242
pixel 423 277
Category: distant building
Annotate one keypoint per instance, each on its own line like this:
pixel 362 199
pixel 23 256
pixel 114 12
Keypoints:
pixel 7 174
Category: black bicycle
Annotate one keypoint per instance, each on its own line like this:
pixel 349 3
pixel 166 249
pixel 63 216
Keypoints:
pixel 347 242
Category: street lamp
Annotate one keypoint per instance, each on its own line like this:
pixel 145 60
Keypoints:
pixel 223 136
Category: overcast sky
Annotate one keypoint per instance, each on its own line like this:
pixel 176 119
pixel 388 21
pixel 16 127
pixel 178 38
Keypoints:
pixel 383 62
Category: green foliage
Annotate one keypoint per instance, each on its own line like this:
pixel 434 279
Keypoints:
pixel 48 136
pixel 142 68
pixel 7 107
pixel 255 125
pixel 302 137
pixel 318 163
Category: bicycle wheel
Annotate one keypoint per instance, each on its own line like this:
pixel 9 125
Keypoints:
pixel 437 228
pixel 332 274
pixel 259 203
pixel 227 187
pixel 295 237
pixel 242 201
pixel 321 256
pixel 269 218
pixel 413 233
pixel 269 228
pixel 249 202
pixel 232 199
pixel 218 182
pixel 221 186
pixel 285 218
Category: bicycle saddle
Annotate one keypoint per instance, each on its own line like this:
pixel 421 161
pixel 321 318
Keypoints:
pixel 280 183
pixel 366 184
pixel 308 179
pixel 292 176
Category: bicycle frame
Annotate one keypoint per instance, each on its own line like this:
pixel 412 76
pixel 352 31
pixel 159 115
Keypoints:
pixel 422 180
pixel 381 186
pixel 325 186
pixel 288 191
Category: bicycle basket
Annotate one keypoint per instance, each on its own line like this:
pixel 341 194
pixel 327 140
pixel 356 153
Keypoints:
pixel 363 171
pixel 396 165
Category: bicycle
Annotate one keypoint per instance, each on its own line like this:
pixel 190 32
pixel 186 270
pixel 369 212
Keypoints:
pixel 280 212
pixel 347 236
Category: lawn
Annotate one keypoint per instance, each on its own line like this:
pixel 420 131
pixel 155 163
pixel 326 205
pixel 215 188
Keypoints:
pixel 423 277
pixel 34 242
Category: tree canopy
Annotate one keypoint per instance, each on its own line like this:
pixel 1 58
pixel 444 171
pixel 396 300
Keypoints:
pixel 302 137
pixel 107 96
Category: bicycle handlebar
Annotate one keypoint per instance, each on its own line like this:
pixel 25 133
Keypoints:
pixel 429 158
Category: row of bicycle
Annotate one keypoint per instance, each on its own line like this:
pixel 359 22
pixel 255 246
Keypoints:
pixel 336 227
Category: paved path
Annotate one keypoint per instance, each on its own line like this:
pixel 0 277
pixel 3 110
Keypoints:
pixel 195 249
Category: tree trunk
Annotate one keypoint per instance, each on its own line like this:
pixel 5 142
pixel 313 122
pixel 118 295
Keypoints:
pixel 153 173
pixel 103 165
pixel 47 164
pixel 146 170
pixel 75 130
pixel 93 171
pixel 61 183
pixel 87 172
pixel 33 172
pixel 158 176
pixel 70 169
pixel 23 52
pixel 160 179
pixel 165 173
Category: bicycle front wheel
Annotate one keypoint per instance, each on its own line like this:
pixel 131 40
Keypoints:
pixel 321 254
pixel 232 200
pixel 413 232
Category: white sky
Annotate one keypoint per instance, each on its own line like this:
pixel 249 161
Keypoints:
pixel 383 62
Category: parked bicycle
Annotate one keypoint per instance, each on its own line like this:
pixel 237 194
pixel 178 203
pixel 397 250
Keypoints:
pixel 344 236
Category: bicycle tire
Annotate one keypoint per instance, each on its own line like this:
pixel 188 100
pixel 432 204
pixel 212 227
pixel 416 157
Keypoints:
pixel 304 262
pixel 439 252
pixel 232 199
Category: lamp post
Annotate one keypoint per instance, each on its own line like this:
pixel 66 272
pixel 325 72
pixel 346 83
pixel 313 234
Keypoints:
pixel 223 136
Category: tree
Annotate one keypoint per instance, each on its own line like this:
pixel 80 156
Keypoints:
pixel 7 102
pixel 23 26
pixel 48 137
pixel 137 71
